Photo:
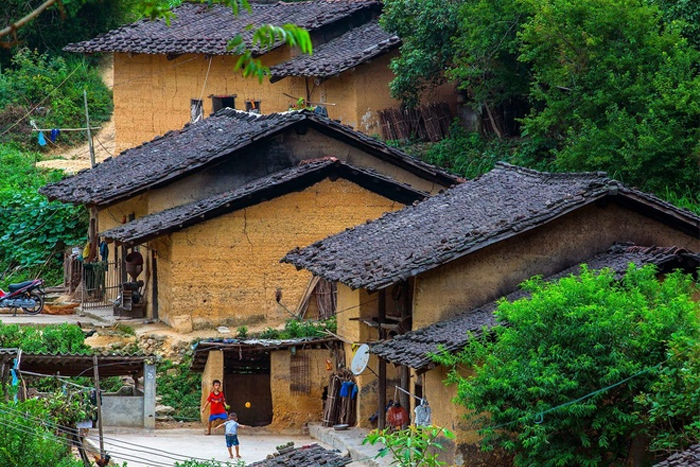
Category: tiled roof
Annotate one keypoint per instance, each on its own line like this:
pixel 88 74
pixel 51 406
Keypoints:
pixel 688 458
pixel 412 348
pixel 206 143
pixel 347 51
pixel 76 364
pixel 201 30
pixel 262 189
pixel 246 347
pixel 498 205
pixel 305 456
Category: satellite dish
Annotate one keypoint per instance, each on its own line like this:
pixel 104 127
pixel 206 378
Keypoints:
pixel 360 360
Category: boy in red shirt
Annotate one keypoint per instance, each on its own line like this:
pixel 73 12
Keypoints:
pixel 218 404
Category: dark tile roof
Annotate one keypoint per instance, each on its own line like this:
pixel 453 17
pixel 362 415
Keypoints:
pixel 347 51
pixel 498 205
pixel 205 143
pixel 76 364
pixel 412 348
pixel 201 30
pixel 305 456
pixel 688 458
pixel 261 189
pixel 247 347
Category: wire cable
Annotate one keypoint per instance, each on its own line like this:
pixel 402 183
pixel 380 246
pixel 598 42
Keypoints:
pixel 41 102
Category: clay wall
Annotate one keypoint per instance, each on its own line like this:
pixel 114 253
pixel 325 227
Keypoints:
pixel 152 94
pixel 214 369
pixel 226 271
pixel 496 270
pixel 297 380
pixel 281 152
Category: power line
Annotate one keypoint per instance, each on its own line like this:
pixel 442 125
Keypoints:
pixel 41 102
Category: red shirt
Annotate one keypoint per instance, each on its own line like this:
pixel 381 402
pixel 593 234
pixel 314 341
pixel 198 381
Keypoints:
pixel 217 402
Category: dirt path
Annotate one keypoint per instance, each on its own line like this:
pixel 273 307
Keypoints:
pixel 76 158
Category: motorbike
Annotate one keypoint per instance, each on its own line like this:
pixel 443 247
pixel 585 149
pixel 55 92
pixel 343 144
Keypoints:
pixel 26 295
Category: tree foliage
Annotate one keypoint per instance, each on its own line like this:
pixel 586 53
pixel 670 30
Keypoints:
pixel 48 90
pixel 570 380
pixel 71 21
pixel 52 339
pixel 612 85
pixel 33 231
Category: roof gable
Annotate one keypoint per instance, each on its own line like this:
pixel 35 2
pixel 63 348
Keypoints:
pixel 491 208
pixel 262 189
pixel 196 146
pixel 206 30
pixel 340 54
pixel 413 348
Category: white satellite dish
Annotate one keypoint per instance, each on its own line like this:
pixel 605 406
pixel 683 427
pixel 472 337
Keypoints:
pixel 360 360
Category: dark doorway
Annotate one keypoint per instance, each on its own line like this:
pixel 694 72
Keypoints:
pixel 247 386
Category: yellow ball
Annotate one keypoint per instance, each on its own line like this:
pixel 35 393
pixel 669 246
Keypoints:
pixel 247 405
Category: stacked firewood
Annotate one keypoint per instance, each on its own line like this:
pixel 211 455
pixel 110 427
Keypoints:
pixel 430 122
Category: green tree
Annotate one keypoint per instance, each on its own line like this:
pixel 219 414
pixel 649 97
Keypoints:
pixel 59 25
pixel 561 384
pixel 615 88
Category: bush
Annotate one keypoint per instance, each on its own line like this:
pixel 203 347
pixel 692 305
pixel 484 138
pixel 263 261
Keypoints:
pixel 58 338
pixel 33 231
pixel 54 86
pixel 564 382
pixel 32 443
pixel 181 389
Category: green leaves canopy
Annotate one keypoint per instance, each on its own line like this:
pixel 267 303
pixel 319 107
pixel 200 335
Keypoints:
pixel 561 384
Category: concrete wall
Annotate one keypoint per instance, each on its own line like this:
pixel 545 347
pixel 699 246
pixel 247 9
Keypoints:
pixel 293 409
pixel 122 411
pixel 227 271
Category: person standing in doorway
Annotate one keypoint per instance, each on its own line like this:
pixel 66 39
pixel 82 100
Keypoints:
pixel 217 401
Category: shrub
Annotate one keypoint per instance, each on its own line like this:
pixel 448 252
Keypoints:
pixel 53 86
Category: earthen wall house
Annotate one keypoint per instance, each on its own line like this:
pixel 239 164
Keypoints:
pixel 469 247
pixel 214 206
pixel 159 70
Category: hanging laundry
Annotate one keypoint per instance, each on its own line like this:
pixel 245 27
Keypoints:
pixel 54 134
pixel 104 250
pixel 423 414
pixel 42 139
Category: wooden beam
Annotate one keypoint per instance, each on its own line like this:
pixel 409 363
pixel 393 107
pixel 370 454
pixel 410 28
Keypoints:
pixel 381 421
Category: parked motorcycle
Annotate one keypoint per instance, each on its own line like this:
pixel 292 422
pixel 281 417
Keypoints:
pixel 26 295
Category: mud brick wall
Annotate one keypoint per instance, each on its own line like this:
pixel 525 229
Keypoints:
pixel 226 271
pixel 152 94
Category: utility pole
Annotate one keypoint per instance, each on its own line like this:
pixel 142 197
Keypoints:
pixel 89 134
pixel 98 398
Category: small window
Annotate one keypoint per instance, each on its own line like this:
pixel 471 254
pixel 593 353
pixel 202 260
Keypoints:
pixel 222 102
pixel 252 106
pixel 196 110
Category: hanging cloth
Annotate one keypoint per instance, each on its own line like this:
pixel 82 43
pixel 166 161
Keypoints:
pixel 41 139
pixel 104 250
pixel 423 414
pixel 54 134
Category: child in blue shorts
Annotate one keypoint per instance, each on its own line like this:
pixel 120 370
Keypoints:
pixel 232 426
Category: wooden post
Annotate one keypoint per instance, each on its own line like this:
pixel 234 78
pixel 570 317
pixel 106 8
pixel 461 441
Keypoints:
pixel 89 134
pixel 381 421
pixel 98 399
pixel 405 371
